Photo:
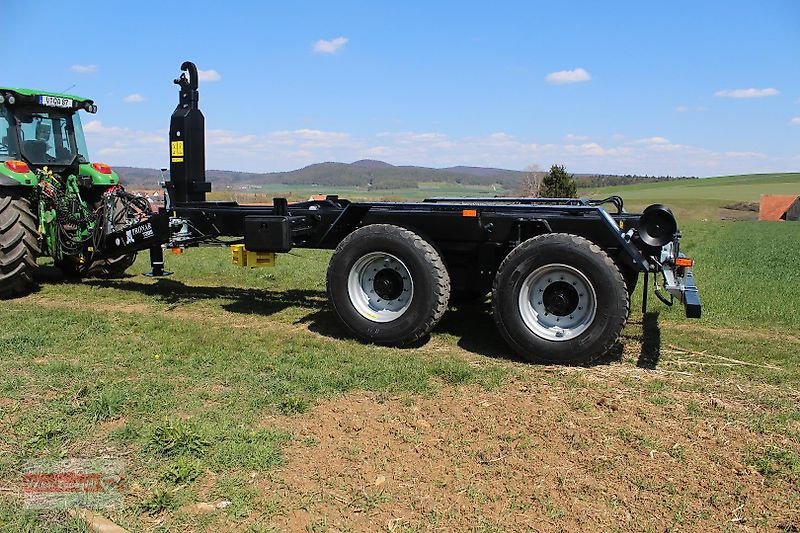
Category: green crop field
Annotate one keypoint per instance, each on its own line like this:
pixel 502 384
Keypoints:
pixel 702 198
pixel 237 402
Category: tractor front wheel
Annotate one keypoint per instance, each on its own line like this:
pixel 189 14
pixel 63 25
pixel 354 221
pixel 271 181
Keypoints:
pixel 19 245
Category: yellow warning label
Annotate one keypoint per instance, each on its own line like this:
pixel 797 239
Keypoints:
pixel 177 148
pixel 177 160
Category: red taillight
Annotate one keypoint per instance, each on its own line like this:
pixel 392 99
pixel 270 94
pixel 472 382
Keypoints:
pixel 18 166
pixel 102 168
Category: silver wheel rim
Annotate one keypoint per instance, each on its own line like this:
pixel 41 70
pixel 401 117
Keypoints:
pixel 380 287
pixel 557 302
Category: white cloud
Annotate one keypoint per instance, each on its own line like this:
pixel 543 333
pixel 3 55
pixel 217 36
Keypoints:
pixel 208 75
pixel 795 121
pixel 133 98
pixel 290 149
pixel 689 109
pixel 329 47
pixel 84 69
pixel 651 140
pixel 568 76
pixel 571 137
pixel 125 146
pixel 747 93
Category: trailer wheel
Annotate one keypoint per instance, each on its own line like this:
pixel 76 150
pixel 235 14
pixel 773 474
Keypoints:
pixel 559 298
pixel 19 245
pixel 388 285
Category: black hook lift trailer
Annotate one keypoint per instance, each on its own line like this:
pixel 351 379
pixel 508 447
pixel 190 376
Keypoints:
pixel 560 271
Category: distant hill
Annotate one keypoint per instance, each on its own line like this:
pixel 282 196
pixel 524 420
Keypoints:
pixel 372 174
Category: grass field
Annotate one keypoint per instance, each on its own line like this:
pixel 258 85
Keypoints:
pixel 239 388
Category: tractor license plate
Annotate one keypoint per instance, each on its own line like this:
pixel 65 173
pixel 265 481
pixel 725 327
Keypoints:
pixel 55 101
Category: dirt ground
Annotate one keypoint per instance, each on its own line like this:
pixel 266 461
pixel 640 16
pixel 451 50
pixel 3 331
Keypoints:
pixel 543 457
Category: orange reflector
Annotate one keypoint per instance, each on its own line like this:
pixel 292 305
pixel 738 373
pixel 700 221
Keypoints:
pixel 102 168
pixel 177 251
pixel 683 262
pixel 17 166
pixel 469 213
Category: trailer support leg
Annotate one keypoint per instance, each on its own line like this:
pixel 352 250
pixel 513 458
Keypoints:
pixel 644 292
pixel 157 263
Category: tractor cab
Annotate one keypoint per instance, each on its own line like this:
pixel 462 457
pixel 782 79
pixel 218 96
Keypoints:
pixel 74 208
pixel 43 129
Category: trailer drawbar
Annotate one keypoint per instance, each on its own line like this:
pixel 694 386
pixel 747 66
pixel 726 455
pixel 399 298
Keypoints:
pixel 560 271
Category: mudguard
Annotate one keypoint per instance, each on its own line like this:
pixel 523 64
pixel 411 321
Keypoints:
pixel 97 177
pixel 9 178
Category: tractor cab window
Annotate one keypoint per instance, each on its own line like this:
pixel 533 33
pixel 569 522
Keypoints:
pixel 80 140
pixel 8 137
pixel 48 137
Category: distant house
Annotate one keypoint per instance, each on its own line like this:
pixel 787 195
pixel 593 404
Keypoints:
pixel 317 198
pixel 779 207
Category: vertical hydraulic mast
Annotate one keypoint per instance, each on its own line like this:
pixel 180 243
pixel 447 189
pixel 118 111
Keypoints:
pixel 187 143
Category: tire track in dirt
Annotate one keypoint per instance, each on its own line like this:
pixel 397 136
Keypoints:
pixel 525 456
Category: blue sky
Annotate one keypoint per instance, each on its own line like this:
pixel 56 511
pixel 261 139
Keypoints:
pixel 692 88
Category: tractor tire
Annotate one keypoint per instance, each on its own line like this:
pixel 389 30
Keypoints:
pixel 560 299
pixel 19 245
pixel 111 267
pixel 387 285
pixel 107 268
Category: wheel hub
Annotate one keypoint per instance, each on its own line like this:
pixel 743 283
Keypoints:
pixel 560 298
pixel 388 284
pixel 557 302
pixel 380 287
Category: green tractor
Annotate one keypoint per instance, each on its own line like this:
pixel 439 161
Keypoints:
pixel 53 200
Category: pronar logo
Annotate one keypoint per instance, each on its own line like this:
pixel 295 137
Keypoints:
pixel 145 230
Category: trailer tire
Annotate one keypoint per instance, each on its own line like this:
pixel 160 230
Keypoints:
pixel 19 245
pixel 559 298
pixel 387 285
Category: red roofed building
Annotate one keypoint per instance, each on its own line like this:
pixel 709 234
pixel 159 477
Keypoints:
pixel 779 207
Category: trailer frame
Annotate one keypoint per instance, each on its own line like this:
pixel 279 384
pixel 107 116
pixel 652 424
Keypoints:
pixel 473 236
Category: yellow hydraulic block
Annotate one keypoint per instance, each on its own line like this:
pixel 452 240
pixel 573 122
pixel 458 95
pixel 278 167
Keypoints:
pixel 243 257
